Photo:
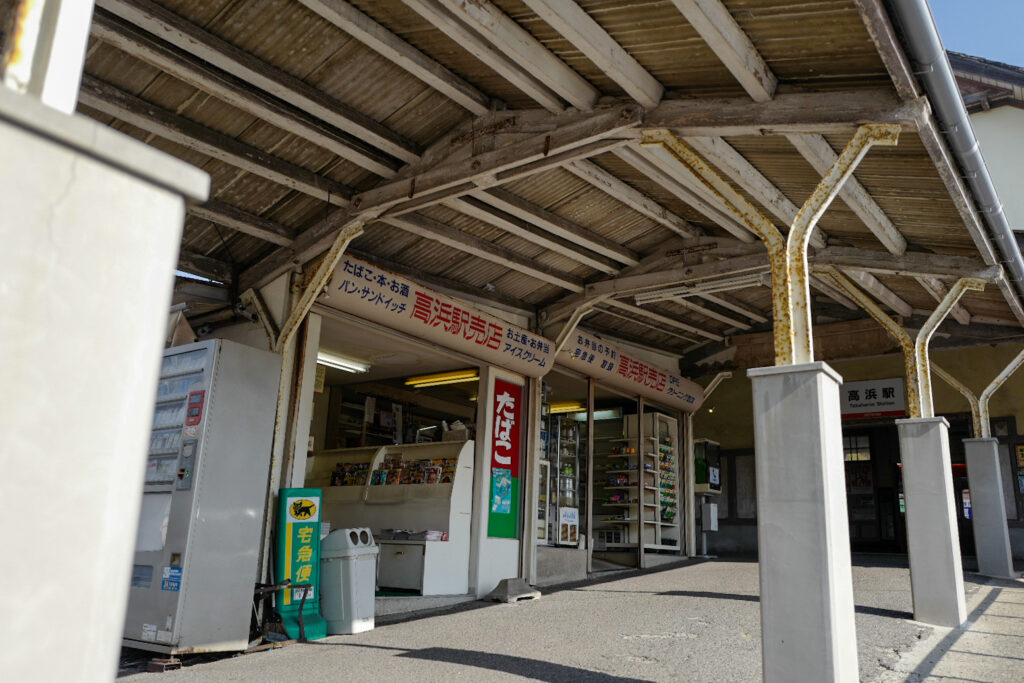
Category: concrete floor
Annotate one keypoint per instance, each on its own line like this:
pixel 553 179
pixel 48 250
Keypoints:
pixel 696 621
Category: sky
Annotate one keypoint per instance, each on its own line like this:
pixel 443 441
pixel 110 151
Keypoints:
pixel 993 29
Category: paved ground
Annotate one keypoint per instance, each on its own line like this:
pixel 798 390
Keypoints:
pixel 694 622
pixel 989 647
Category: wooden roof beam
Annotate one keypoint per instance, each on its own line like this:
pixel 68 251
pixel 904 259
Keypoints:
pixel 205 266
pixel 580 29
pixel 470 244
pixel 509 69
pixel 481 211
pixel 391 47
pixel 194 71
pixel 832 112
pixel 873 286
pixel 602 129
pixel 241 64
pixel 743 173
pixel 820 155
pixel 910 264
pixel 732 45
pixel 631 197
pixel 242 221
pixel 726 301
pixel 109 100
pixel 710 313
pixel 675 179
pixel 712 20
pixel 660 328
pixel 557 225
pixel 516 43
pixel 663 319
pixel 824 286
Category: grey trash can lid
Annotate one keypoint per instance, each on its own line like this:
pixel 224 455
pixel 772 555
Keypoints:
pixel 348 543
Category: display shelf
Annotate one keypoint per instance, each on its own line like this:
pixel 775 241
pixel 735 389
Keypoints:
pixel 362 496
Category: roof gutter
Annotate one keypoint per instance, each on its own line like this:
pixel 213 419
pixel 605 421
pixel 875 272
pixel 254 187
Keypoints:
pixel 924 48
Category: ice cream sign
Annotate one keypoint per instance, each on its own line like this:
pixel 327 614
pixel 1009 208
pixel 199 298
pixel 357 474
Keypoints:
pixel 609 364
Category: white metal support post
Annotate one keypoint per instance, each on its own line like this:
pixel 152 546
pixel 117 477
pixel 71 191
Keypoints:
pixel 991 535
pixel 803 536
pixel 933 543
pixel 91 231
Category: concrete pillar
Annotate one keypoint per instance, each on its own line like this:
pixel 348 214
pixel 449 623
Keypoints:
pixel 991 536
pixel 933 545
pixel 90 233
pixel 807 624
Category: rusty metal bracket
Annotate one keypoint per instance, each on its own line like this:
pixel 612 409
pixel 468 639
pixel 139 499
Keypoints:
pixel 573 321
pixel 890 325
pixel 251 297
pixel 791 310
pixel 317 282
pixel 746 214
pixel 924 337
pixel 810 213
pixel 915 353
pixel 952 381
pixel 986 429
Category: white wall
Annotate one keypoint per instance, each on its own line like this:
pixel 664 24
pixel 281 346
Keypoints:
pixel 1001 134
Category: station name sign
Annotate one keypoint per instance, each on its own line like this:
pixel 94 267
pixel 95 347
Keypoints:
pixel 610 365
pixel 381 296
pixel 872 398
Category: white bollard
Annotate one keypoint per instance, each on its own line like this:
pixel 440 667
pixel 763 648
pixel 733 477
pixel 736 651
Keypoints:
pixel 807 620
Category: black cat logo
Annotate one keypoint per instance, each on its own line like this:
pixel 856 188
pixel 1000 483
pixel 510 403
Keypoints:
pixel 303 509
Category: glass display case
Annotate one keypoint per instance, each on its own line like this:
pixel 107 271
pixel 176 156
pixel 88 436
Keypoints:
pixel 563 444
pixel 543 496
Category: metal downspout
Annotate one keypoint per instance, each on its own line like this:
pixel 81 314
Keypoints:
pixel 924 48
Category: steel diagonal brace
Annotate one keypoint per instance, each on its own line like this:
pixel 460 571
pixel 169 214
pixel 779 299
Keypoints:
pixel 890 325
pixel 788 256
pixel 985 431
pixel 952 381
pixel 915 354
pixel 810 213
pixel 318 281
pixel 924 336
pixel 979 406
pixel 670 148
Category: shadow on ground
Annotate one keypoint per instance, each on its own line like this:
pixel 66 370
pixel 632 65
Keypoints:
pixel 533 669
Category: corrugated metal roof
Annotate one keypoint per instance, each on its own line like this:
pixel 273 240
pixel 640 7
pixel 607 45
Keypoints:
pixel 810 45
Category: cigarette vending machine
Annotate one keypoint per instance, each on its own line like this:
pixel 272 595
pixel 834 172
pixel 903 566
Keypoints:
pixel 198 540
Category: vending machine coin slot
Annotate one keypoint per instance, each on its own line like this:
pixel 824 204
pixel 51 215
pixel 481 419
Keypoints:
pixel 186 465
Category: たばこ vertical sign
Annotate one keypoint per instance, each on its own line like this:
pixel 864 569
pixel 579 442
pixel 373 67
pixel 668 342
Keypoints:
pixel 507 415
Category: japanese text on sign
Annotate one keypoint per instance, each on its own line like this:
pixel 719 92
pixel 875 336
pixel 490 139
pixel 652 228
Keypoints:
pixel 504 423
pixel 383 297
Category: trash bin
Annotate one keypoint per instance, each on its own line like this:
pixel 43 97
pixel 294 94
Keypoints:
pixel 348 578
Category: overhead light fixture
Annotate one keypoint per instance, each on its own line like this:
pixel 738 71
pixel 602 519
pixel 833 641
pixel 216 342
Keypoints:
pixel 567 407
pixel 435 380
pixel 333 360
